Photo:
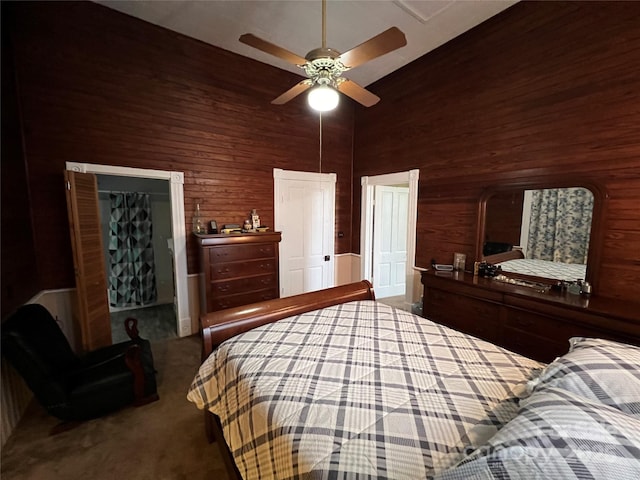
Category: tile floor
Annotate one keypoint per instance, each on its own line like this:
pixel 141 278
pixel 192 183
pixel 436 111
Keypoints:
pixel 156 322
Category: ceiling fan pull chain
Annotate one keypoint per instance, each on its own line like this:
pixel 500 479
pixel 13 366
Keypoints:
pixel 320 161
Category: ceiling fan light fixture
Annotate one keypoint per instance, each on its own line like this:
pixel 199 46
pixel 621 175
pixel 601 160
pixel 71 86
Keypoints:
pixel 323 98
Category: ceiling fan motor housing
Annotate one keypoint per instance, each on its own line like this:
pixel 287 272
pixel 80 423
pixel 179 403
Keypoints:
pixel 323 66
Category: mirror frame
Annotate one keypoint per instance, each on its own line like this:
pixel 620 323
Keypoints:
pixel 596 238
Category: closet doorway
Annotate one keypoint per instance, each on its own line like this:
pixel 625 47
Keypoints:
pixel 174 182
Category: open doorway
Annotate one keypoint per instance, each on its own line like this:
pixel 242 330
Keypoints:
pixel 174 181
pixel 388 231
pixel 135 220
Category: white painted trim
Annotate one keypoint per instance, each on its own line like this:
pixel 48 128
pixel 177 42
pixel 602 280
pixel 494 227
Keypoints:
pixel 176 187
pixel 278 173
pixel 526 221
pixel 366 221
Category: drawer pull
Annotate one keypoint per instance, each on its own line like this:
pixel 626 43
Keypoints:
pixel 223 270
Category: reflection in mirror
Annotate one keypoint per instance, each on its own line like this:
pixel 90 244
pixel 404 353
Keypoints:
pixel 544 233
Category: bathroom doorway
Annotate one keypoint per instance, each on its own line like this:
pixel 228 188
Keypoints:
pixel 135 220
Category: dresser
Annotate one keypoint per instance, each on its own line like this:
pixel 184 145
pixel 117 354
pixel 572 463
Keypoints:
pixel 532 323
pixel 239 268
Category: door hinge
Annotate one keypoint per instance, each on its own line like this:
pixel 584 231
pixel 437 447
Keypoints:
pixel 327 258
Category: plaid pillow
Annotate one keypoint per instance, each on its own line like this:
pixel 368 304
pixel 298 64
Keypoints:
pixel 601 370
pixel 557 434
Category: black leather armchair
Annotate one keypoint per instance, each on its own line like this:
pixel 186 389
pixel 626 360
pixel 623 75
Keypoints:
pixel 72 387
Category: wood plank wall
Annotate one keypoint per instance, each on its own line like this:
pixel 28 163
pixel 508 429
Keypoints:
pixel 544 90
pixel 19 269
pixel 101 87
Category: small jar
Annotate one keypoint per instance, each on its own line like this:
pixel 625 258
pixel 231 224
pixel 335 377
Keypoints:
pixel 459 261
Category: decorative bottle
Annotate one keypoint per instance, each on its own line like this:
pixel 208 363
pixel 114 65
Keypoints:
pixel 198 224
pixel 255 219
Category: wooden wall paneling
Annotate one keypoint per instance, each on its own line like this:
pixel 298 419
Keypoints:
pixel 19 268
pixel 101 87
pixel 542 90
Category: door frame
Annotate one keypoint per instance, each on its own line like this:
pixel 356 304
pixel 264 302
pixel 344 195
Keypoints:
pixel 330 178
pixel 178 229
pixel 366 222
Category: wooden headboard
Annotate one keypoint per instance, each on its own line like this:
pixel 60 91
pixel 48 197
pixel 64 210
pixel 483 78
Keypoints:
pixel 504 256
pixel 219 326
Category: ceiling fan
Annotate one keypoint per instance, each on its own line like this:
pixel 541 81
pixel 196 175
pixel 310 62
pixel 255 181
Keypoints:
pixel 324 67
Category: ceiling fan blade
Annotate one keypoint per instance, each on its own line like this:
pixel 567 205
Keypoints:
pixel 358 93
pixel 385 42
pixel 270 48
pixel 293 92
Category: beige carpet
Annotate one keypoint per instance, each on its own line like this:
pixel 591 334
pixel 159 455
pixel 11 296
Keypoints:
pixel 162 440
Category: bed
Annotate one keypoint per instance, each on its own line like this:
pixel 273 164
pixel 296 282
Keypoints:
pixel 514 262
pixel 333 384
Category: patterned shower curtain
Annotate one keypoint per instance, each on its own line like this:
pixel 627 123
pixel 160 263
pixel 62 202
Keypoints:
pixel 560 225
pixel 132 279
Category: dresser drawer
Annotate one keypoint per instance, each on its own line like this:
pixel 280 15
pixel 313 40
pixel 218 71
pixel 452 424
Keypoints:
pixel 533 346
pixel 546 327
pixel 247 284
pixel 478 318
pixel 229 301
pixel 221 271
pixel 440 302
pixel 230 253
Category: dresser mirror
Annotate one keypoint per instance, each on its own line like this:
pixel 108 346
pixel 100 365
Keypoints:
pixel 542 232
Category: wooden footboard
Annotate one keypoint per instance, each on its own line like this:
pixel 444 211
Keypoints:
pixel 219 326
pixel 224 324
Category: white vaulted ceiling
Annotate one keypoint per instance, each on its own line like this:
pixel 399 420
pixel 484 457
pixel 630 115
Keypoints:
pixel 296 25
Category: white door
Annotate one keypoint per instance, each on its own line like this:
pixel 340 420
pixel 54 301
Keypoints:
pixel 390 240
pixel 304 213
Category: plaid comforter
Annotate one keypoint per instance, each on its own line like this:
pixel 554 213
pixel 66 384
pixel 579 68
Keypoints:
pixel 357 390
pixel 545 268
